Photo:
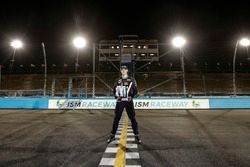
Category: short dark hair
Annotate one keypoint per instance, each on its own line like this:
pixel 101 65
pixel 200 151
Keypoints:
pixel 123 67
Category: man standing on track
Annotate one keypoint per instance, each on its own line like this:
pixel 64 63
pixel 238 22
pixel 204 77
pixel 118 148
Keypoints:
pixel 124 91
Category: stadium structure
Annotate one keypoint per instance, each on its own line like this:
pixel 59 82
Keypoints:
pixel 141 56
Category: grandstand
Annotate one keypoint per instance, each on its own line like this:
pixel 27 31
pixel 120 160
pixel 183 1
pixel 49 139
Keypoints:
pixel 163 84
pixel 108 55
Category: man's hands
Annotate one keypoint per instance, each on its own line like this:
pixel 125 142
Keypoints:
pixel 118 98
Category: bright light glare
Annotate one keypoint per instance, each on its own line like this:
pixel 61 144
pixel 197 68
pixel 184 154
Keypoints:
pixel 245 42
pixel 16 44
pixel 179 41
pixel 79 42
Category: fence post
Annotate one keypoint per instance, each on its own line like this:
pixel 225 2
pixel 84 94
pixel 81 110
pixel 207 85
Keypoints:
pixel 53 87
pixel 69 87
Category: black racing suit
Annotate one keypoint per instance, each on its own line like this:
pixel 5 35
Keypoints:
pixel 124 92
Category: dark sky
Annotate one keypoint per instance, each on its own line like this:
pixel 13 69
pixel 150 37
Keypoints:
pixel 211 27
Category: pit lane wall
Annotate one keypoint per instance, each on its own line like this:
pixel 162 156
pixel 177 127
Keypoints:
pixel 139 103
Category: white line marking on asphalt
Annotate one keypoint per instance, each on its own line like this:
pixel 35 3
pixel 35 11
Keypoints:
pixel 132 155
pixel 115 142
pixel 107 161
pixel 130 139
pixel 118 136
pixel 111 149
pixel 131 145
pixel 130 134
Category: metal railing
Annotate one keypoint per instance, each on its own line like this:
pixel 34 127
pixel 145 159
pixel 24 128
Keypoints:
pixel 21 93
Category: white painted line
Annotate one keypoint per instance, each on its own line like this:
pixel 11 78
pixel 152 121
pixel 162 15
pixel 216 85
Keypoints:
pixel 132 165
pixel 130 134
pixel 132 155
pixel 111 150
pixel 131 145
pixel 130 139
pixel 129 130
pixel 117 136
pixel 107 161
pixel 115 142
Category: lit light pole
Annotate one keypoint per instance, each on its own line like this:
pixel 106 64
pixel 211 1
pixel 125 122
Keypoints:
pixel 45 70
pixel 93 85
pixel 179 42
pixel 243 42
pixel 79 43
pixel 0 76
pixel 15 44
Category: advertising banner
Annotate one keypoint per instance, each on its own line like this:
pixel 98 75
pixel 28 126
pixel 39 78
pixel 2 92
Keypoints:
pixel 138 104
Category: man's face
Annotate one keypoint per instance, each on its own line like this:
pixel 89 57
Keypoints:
pixel 124 71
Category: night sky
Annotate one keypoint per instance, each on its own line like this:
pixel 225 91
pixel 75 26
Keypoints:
pixel 211 29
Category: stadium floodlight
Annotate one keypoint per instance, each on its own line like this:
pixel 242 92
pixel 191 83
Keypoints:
pixel 79 42
pixel 243 42
pixel 178 41
pixel 16 44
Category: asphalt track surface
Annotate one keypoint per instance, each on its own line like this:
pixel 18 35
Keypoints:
pixel 170 138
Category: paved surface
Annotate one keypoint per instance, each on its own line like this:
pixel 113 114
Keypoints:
pixel 67 138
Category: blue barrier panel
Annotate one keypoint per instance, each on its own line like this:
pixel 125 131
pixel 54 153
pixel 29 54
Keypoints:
pixel 20 103
pixel 109 103
pixel 229 103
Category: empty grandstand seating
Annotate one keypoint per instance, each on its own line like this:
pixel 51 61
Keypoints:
pixel 169 84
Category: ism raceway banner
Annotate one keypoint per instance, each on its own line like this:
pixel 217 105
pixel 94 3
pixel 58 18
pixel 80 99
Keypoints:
pixel 138 104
